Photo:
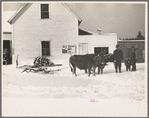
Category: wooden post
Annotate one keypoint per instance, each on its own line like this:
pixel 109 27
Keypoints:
pixel 17 61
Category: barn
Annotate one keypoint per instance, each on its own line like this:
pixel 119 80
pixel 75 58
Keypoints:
pixel 139 45
pixel 52 30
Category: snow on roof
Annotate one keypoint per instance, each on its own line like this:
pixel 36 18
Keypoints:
pixel 5 18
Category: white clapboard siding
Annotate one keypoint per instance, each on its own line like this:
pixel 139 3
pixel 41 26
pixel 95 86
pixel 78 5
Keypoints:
pixel 29 30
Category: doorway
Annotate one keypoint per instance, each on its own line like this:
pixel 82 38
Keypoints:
pixel 7 52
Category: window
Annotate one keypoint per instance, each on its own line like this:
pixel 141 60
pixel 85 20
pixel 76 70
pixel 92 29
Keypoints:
pixel 45 48
pixel 83 48
pixel 98 50
pixel 44 11
pixel 68 49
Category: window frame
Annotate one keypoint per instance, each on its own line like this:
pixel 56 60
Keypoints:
pixel 49 9
pixel 101 49
pixel 48 48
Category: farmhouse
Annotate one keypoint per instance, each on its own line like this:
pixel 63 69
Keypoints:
pixel 52 30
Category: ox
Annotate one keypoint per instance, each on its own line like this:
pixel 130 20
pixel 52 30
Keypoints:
pixel 107 58
pixel 88 61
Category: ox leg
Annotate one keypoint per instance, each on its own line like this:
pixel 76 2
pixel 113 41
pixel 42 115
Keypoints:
pixel 94 73
pixel 129 68
pixel 126 68
pixel 98 70
pixel 85 70
pixel 101 70
pixel 89 72
pixel 75 71
pixel 116 68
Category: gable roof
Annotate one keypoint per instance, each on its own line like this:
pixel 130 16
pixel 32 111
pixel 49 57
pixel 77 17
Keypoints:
pixel 25 6
pixel 84 32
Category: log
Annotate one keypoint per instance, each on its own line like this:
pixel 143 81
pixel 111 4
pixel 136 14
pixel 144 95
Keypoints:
pixel 44 70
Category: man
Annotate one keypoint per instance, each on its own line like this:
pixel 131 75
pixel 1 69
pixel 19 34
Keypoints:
pixel 133 58
pixel 118 55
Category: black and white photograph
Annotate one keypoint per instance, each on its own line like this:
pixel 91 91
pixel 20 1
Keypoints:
pixel 74 59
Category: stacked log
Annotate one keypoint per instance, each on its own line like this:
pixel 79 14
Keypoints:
pixel 40 69
pixel 43 61
pixel 40 65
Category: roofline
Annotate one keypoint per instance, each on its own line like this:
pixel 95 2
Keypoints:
pixel 18 12
pixel 87 31
pixel 73 12
pixel 26 5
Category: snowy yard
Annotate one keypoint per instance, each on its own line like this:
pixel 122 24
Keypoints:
pixel 63 94
pixel 63 84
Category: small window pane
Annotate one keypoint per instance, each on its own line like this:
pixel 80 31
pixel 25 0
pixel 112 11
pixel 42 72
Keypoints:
pixel 44 7
pixel 47 44
pixel 44 14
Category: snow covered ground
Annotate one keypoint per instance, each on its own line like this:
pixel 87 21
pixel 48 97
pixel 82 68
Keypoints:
pixel 64 85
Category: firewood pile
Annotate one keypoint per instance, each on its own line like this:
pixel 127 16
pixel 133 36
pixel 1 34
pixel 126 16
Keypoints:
pixel 40 66
pixel 43 61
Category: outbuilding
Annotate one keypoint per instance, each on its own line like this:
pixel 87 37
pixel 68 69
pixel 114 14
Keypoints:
pixel 139 46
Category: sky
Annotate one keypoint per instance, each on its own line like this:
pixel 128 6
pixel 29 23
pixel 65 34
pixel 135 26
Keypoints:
pixel 124 19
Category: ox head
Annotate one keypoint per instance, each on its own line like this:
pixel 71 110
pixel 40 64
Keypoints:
pixel 112 57
pixel 98 60
pixel 108 58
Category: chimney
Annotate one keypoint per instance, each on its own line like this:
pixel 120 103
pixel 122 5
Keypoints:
pixel 99 31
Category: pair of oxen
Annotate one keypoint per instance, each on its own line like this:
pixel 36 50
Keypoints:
pixel 90 62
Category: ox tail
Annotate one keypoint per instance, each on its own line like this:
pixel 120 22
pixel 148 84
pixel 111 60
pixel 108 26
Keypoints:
pixel 71 67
